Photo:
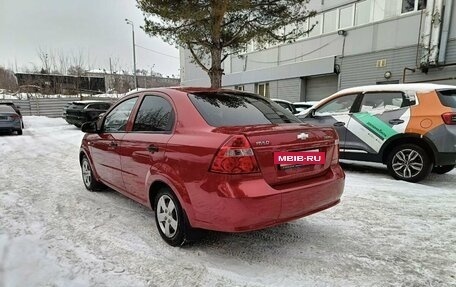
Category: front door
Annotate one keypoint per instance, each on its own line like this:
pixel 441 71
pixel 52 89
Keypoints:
pixel 105 146
pixel 336 113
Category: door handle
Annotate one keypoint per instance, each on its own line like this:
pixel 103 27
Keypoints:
pixel 339 124
pixel 396 122
pixel 152 148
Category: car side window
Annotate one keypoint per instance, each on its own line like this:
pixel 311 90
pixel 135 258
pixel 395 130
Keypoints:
pixel 340 105
pixel 379 102
pixel 92 107
pixel 116 120
pixel 154 115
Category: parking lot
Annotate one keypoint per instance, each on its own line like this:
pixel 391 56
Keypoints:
pixel 53 232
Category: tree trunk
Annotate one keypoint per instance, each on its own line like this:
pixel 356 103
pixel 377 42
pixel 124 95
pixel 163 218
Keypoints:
pixel 215 72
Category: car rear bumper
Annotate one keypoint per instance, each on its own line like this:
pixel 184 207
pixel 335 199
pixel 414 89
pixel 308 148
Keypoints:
pixel 445 142
pixel 10 126
pixel 254 204
pixel 445 158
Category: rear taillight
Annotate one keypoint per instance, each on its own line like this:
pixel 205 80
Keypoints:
pixel 449 118
pixel 235 156
pixel 335 157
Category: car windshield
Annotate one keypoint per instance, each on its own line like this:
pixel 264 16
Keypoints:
pixel 448 98
pixel 236 109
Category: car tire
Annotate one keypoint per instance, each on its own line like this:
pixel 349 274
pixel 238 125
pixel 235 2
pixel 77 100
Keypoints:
pixel 88 177
pixel 442 169
pixel 409 162
pixel 170 218
pixel 19 132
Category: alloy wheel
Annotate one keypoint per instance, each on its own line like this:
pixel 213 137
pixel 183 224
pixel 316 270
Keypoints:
pixel 407 163
pixel 167 216
pixel 86 173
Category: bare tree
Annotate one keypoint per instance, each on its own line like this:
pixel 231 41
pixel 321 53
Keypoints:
pixel 44 58
pixel 7 80
pixel 63 62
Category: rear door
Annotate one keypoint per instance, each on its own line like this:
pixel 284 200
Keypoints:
pixel 105 146
pixel 336 114
pixel 381 116
pixel 143 149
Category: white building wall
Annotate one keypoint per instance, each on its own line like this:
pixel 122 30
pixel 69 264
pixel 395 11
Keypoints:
pixel 395 39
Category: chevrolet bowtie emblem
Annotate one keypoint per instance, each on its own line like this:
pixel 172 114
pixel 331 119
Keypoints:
pixel 303 136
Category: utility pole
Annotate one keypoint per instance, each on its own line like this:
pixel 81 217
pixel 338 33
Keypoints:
pixel 134 51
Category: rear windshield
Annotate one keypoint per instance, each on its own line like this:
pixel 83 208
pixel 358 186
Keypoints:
pixel 448 98
pixel 77 106
pixel 233 109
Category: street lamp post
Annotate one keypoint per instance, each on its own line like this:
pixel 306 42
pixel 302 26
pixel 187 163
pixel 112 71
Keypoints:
pixel 129 22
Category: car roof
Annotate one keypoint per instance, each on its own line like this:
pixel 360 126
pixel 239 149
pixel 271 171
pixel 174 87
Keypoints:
pixel 6 109
pixel 306 103
pixel 396 87
pixel 191 90
pixel 90 102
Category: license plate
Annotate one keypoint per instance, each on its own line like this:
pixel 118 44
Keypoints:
pixel 3 118
pixel 299 159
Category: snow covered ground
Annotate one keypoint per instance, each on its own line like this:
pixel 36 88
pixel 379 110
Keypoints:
pixel 55 233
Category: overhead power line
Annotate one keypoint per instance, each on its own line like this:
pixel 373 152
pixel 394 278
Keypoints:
pixel 157 52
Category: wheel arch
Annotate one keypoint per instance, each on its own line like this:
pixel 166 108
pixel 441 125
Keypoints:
pixel 83 152
pixel 417 139
pixel 183 197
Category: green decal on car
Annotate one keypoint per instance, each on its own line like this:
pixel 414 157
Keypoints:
pixel 375 125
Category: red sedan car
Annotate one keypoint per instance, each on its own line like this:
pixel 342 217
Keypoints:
pixel 204 159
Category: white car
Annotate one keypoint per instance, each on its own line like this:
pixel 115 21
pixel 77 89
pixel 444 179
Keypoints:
pixel 287 105
pixel 304 107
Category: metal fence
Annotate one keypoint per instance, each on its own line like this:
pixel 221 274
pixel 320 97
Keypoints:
pixel 49 107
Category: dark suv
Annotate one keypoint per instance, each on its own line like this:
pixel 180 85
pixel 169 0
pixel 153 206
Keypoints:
pixel 80 112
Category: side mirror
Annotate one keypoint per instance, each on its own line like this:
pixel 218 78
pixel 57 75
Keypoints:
pixel 89 127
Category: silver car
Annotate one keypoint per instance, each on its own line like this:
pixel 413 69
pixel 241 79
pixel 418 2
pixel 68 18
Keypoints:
pixel 10 121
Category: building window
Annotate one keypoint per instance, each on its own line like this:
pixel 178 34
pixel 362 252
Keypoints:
pixel 239 88
pixel 363 12
pixel 413 5
pixel 346 17
pixel 263 89
pixel 330 21
pixel 384 9
pixel 315 22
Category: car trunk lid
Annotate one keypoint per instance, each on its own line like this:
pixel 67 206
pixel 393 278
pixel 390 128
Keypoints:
pixel 268 139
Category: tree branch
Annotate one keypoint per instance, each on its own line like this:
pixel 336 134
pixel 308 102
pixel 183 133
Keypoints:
pixel 196 58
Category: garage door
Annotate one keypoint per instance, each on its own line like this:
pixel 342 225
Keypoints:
pixel 318 88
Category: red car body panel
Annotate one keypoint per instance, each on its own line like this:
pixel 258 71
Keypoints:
pixel 215 201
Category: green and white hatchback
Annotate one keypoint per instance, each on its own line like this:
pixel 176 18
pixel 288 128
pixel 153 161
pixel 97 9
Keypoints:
pixel 409 127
